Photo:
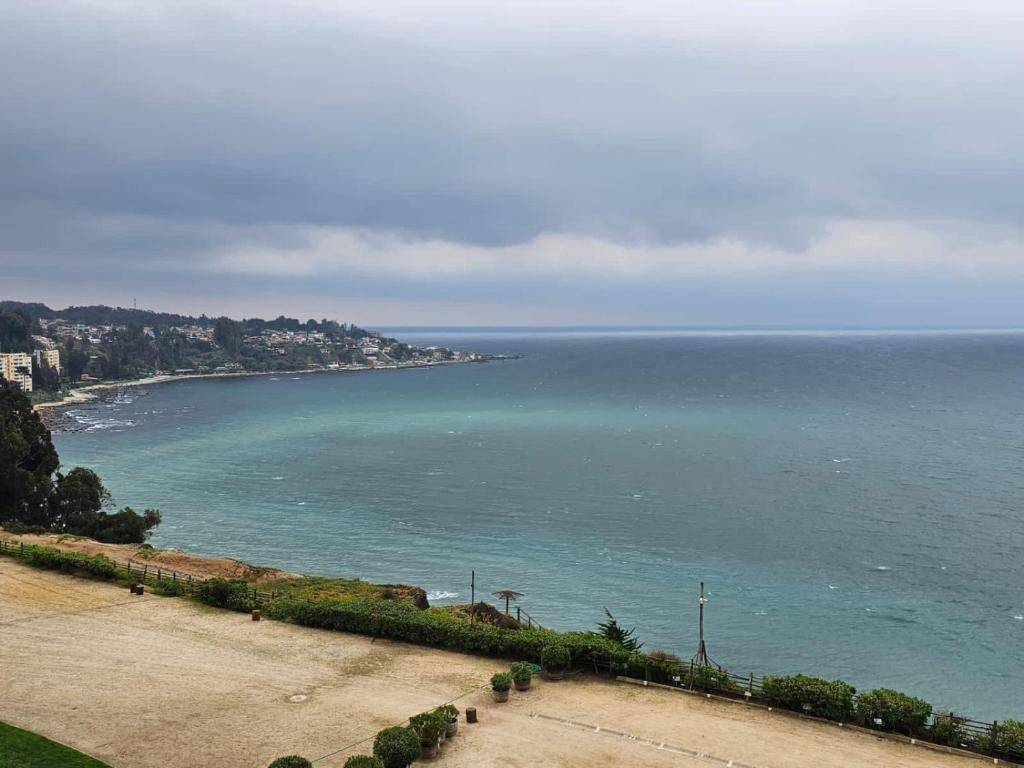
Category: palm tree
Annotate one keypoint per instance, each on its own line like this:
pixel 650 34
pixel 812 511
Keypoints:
pixel 507 595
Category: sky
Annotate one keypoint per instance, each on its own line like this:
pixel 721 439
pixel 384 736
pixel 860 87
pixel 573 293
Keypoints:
pixel 669 162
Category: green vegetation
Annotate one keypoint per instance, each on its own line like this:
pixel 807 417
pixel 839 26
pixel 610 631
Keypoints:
pixel 611 630
pixel 501 681
pixel 34 493
pixel 396 747
pixel 24 749
pixel 428 726
pixel 97 566
pixel 222 593
pixel 896 710
pixel 557 656
pixel 832 699
pixel 521 671
pixel 291 761
pixel 363 761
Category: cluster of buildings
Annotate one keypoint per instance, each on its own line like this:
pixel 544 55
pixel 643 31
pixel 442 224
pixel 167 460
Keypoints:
pixel 17 366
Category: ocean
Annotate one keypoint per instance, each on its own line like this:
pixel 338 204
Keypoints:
pixel 853 501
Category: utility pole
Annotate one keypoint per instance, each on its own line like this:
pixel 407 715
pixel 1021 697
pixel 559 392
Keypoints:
pixel 701 658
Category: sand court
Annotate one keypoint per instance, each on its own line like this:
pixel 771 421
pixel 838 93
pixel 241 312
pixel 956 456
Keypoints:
pixel 152 682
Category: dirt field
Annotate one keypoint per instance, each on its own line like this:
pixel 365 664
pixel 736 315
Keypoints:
pixel 150 682
pixel 167 559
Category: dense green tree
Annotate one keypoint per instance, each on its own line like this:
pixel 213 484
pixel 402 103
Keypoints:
pixel 15 331
pixel 228 334
pixel 76 360
pixel 27 460
pixel 76 499
pixel 45 377
pixel 75 502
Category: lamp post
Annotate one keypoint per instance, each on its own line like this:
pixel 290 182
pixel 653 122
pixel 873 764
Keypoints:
pixel 701 658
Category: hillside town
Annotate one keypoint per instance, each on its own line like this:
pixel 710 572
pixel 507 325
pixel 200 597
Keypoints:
pixel 48 351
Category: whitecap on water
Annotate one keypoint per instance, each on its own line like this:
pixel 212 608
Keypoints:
pixel 279 477
pixel 441 595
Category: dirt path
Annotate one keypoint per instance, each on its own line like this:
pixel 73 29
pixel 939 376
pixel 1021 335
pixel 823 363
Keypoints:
pixel 170 560
pixel 150 682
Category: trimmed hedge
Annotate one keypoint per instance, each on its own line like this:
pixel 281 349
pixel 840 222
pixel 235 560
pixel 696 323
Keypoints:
pixel 832 699
pixel 404 621
pixel 897 711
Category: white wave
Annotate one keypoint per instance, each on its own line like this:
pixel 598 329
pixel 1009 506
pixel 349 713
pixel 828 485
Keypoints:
pixel 1019 618
pixel 279 477
pixel 441 595
pixel 881 568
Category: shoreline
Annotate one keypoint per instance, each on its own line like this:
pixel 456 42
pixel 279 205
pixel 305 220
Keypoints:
pixel 91 392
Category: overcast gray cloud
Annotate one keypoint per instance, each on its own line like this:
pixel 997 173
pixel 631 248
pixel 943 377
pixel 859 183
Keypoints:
pixel 454 162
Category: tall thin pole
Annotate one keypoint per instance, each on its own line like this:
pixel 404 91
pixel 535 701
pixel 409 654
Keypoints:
pixel 701 658
pixel 472 597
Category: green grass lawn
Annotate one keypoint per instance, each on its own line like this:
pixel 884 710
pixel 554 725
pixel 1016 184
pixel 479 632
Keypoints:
pixel 24 749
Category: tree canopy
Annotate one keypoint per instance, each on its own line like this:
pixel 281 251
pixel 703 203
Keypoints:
pixel 34 493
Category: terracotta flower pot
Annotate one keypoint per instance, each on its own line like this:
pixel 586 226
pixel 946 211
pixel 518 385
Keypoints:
pixel 500 695
pixel 522 685
pixel 554 674
pixel 453 728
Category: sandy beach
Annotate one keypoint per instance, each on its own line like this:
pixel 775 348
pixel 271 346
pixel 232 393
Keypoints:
pixel 151 682
pixel 93 391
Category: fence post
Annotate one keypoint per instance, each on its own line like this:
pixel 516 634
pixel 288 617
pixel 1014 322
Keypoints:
pixel 174 575
pixel 750 684
pixel 995 735
pixel 519 613
pixel 145 571
pixel 158 574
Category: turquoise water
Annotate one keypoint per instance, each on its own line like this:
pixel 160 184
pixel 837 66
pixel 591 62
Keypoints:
pixel 853 501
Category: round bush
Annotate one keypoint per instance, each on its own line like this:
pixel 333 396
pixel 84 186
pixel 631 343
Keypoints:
pixel 554 657
pixel 521 671
pixel 363 761
pixel 396 747
pixel 292 761
pixel 501 681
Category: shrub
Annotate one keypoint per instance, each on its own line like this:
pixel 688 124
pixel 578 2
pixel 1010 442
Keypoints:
pixel 896 710
pixel 1010 738
pixel 428 726
pixel 396 747
pixel 824 698
pixel 948 728
pixel 292 761
pixel 501 681
pixel 709 678
pixel 169 588
pixel 221 593
pixel 363 761
pixel 555 657
pixel 449 712
pixel 97 566
pixel 401 620
pixel 521 671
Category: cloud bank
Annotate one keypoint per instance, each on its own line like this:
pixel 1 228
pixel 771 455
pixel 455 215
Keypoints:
pixel 846 163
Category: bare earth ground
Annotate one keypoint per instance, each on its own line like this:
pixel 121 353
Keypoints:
pixel 167 559
pixel 151 682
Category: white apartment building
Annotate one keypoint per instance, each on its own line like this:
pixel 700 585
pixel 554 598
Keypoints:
pixel 17 367
pixel 50 357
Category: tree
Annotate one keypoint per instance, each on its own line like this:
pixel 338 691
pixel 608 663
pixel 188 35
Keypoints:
pixel 617 634
pixel 76 499
pixel 45 377
pixel 228 334
pixel 27 460
pixel 77 360
pixel 15 331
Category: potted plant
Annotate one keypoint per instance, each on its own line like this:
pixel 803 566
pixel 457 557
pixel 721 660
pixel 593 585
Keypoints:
pixel 522 673
pixel 428 727
pixel 555 659
pixel 363 761
pixel 450 714
pixel 396 747
pixel 500 684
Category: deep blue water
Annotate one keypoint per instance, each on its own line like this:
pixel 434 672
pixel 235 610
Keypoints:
pixel 853 501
